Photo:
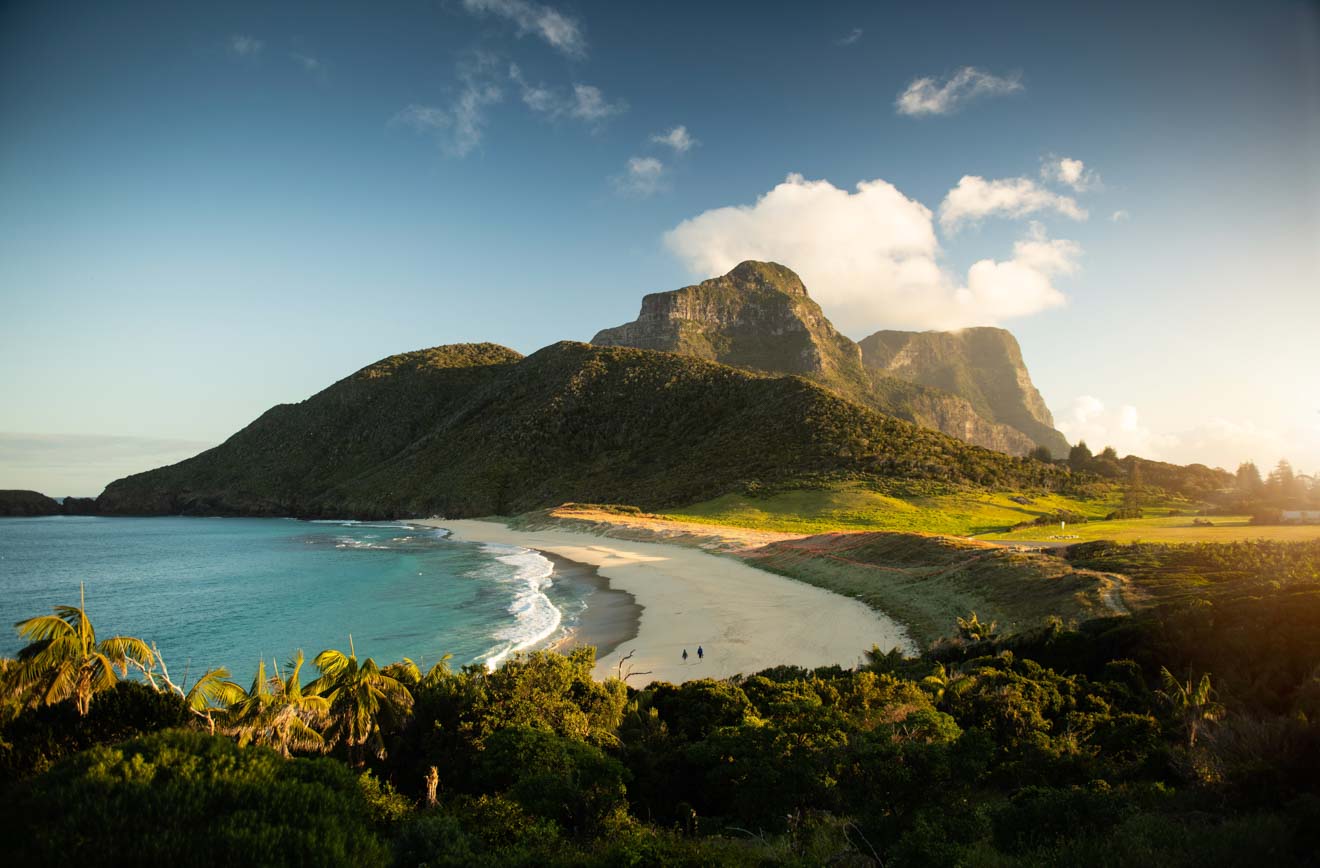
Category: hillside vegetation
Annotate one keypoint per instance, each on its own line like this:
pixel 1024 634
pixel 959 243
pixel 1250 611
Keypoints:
pixel 475 430
pixel 16 502
pixel 928 582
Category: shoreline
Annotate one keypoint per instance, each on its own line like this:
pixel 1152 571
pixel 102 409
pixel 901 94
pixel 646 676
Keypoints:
pixel 609 618
pixel 745 619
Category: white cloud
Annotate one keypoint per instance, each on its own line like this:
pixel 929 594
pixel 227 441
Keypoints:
pixel 1022 285
pixel 872 258
pixel 1066 170
pixel 1090 420
pixel 461 125
pixel 1120 216
pixel 677 138
pixel 549 24
pixel 976 198
pixel 854 35
pixel 590 105
pixel 926 96
pixel 587 103
pixel 245 47
pixel 312 65
pixel 645 177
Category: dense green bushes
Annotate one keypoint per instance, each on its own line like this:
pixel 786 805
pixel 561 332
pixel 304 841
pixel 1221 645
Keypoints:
pixel 1062 745
pixel 187 798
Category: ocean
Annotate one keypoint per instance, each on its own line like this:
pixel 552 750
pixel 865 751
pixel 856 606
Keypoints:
pixel 231 591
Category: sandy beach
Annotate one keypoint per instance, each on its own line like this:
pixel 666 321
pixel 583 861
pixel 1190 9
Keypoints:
pixel 743 618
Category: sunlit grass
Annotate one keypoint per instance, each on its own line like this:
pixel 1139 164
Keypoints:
pixel 856 507
pixel 1172 529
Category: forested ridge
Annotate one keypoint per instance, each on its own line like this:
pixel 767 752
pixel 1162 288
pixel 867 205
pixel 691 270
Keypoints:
pixel 472 430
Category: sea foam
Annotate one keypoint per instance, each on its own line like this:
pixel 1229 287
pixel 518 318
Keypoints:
pixel 536 618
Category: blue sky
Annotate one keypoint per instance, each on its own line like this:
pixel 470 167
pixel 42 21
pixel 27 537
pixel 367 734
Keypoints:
pixel 206 210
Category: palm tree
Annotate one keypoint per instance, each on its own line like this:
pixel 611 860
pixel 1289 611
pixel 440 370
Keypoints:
pixel 63 659
pixel 277 713
pixel 973 629
pixel 1195 704
pixel 941 680
pixel 212 694
pixel 360 696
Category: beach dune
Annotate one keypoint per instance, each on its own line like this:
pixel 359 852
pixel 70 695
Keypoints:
pixel 744 619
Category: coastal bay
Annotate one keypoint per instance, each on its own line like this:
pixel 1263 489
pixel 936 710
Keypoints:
pixel 743 618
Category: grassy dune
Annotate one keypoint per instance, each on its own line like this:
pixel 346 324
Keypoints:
pixel 857 506
pixel 928 582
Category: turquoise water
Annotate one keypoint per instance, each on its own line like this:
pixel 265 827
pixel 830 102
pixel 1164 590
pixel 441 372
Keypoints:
pixel 230 591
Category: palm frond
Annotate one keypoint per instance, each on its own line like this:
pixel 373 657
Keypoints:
pixel 44 627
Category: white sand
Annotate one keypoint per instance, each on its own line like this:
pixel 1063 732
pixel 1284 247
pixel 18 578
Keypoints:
pixel 744 618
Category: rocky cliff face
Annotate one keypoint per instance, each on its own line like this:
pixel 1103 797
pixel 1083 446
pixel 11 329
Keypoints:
pixel 757 316
pixel 760 316
pixel 982 365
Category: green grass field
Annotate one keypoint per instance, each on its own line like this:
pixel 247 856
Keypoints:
pixel 854 506
pixel 857 507
pixel 1165 529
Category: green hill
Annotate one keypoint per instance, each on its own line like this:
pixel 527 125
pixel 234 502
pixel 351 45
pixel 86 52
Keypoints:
pixel 477 430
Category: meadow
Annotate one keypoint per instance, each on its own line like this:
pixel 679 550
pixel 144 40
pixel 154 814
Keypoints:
pixel 861 506
pixel 979 514
pixel 1165 529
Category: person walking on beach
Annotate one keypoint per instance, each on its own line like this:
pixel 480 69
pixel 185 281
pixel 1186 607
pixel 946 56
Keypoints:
pixel 700 654
pixel 684 655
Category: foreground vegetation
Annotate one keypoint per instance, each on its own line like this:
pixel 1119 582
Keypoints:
pixel 1187 734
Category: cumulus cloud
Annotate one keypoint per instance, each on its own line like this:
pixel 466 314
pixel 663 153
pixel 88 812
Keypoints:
pixel 853 35
pixel 245 47
pixel 927 96
pixel 1024 284
pixel 548 24
pixel 872 258
pixel 1120 216
pixel 976 198
pixel 645 176
pixel 1073 173
pixel 586 103
pixel 677 138
pixel 1091 420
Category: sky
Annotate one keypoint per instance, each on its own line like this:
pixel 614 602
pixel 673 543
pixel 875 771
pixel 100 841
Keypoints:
pixel 209 209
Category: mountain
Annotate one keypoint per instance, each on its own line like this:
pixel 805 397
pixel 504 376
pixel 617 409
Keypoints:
pixel 760 316
pixel 982 365
pixel 475 429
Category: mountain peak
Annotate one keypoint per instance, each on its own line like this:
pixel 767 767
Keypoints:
pixel 765 275
pixel 970 384
pixel 756 316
